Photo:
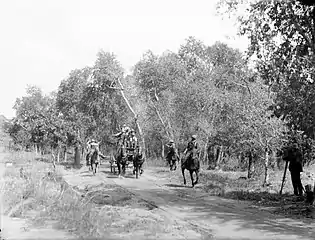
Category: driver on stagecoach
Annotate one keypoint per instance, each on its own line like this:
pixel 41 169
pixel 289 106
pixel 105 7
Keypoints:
pixel 123 134
pixel 132 141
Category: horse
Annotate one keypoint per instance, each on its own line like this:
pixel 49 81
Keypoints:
pixel 94 160
pixel 172 158
pixel 121 160
pixel 191 162
pixel 88 161
pixel 138 161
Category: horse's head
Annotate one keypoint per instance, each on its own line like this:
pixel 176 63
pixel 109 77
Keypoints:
pixel 123 151
pixel 138 151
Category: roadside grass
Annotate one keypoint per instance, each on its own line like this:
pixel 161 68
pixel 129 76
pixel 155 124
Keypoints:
pixel 40 194
pixel 233 185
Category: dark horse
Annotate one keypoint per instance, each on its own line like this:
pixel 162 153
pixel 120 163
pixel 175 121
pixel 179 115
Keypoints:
pixel 190 161
pixel 121 160
pixel 172 158
pixel 138 161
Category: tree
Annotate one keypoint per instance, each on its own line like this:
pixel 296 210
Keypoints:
pixel 70 105
pixel 283 40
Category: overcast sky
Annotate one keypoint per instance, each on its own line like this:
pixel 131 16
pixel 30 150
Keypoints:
pixel 41 41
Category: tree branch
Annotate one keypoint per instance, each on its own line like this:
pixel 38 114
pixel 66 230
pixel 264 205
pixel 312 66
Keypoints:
pixel 299 29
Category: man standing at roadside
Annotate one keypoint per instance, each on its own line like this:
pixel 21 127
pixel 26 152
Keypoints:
pixel 294 156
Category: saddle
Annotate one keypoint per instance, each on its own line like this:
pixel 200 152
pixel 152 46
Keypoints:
pixel 191 160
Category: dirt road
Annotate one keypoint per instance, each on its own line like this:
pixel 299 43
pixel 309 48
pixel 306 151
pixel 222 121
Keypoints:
pixel 200 215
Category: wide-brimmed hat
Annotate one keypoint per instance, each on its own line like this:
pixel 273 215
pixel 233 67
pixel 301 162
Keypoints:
pixel 171 141
pixel 194 136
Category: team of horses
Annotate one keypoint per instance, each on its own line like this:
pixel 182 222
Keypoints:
pixel 189 161
pixel 122 158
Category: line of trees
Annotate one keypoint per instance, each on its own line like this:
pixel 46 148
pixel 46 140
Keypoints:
pixel 243 116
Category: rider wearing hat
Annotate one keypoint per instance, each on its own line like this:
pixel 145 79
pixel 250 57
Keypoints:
pixel 93 146
pixel 171 151
pixel 192 146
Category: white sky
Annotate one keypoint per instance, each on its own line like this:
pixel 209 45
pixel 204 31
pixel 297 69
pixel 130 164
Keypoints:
pixel 41 41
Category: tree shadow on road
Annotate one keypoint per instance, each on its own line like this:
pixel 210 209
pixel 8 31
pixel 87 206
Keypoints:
pixel 224 213
pixel 70 165
pixel 172 185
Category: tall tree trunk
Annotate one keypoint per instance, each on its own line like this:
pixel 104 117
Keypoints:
pixel 65 154
pixel 169 135
pixel 266 164
pixel 42 150
pixel 205 151
pixel 77 155
pixel 250 165
pixel 219 156
pixel 211 157
pixel 134 115
pixel 58 154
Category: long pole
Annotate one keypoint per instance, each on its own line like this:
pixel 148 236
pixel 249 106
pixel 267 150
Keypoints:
pixel 284 174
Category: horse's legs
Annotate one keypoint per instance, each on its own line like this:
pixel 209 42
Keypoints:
pixel 96 166
pixel 183 173
pixel 124 167
pixel 119 168
pixel 197 176
pixel 135 165
pixel 141 169
pixel 191 172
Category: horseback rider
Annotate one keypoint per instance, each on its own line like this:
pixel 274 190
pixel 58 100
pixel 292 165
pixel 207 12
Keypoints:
pixel 192 146
pixel 171 151
pixel 94 147
pixel 88 150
